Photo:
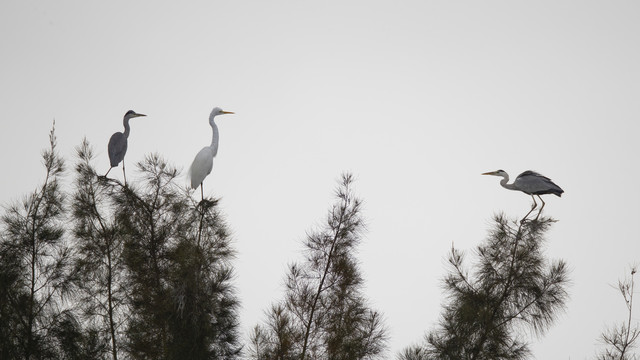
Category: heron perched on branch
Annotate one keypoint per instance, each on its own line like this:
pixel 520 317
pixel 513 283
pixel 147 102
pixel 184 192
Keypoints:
pixel 203 162
pixel 531 183
pixel 118 143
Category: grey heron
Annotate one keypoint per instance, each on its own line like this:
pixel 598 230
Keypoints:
pixel 203 162
pixel 531 183
pixel 118 144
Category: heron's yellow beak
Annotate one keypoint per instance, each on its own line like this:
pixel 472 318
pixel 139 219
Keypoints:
pixel 140 115
pixel 228 112
pixel 489 173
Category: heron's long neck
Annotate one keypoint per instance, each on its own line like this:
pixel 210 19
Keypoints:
pixel 126 127
pixel 215 138
pixel 504 181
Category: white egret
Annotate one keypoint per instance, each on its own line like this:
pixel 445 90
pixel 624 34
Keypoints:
pixel 203 162
pixel 118 144
pixel 531 183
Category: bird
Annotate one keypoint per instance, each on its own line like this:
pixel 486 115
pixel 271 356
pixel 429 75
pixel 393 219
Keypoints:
pixel 118 144
pixel 531 183
pixel 203 162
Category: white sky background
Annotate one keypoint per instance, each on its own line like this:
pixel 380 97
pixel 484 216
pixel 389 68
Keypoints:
pixel 415 98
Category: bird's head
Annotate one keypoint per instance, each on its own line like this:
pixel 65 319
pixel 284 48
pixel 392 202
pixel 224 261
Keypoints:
pixel 496 173
pixel 132 114
pixel 217 111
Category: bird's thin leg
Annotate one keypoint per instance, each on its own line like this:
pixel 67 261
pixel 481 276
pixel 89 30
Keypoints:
pixel 105 175
pixel 201 191
pixel 124 173
pixel 540 211
pixel 535 204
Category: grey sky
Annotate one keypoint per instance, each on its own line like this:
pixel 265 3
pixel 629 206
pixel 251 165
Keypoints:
pixel 416 98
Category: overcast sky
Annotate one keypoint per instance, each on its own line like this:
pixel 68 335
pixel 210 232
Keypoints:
pixel 416 98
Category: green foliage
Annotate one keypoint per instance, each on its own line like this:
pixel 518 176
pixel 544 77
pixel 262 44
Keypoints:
pixel 75 342
pixel 512 287
pixel 324 315
pixel 35 264
pixel 13 300
pixel 177 255
pixel 413 353
pixel 277 339
pixel 99 266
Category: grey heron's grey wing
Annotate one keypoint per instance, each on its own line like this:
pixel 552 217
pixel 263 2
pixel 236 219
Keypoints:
pixel 533 183
pixel 117 148
pixel 531 173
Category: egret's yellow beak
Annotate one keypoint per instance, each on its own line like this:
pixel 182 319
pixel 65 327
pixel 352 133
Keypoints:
pixel 228 112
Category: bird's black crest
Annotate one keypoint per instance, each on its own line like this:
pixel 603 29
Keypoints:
pixel 130 112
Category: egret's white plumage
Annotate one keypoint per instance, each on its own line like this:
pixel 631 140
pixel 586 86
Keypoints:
pixel 203 162
pixel 201 166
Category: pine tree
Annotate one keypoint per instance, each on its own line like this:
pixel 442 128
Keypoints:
pixel 324 314
pixel 77 342
pixel 177 255
pixel 512 287
pixel 99 265
pixel 35 268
